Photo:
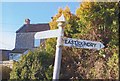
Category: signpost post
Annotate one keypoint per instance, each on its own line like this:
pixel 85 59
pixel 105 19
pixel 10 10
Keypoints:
pixel 59 33
pixel 58 54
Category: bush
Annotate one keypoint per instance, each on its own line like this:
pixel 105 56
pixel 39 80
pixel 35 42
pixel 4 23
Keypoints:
pixel 32 66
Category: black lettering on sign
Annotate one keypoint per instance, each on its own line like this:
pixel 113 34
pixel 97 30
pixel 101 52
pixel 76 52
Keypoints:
pixel 66 42
pixel 89 44
pixel 84 43
pixel 71 42
pixel 75 42
pixel 94 44
pixel 80 43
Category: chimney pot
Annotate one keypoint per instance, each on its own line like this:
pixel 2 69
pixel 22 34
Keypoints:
pixel 27 21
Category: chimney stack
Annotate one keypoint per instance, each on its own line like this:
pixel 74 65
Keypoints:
pixel 27 21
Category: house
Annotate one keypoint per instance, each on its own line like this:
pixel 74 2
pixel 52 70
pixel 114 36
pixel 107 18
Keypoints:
pixel 25 38
pixel 5 64
pixel 4 55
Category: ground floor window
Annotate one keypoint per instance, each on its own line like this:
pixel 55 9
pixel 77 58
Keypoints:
pixel 14 56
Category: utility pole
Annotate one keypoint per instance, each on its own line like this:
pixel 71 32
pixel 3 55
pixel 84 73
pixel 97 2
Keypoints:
pixel 58 54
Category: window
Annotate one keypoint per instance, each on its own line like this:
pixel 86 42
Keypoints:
pixel 36 42
pixel 15 57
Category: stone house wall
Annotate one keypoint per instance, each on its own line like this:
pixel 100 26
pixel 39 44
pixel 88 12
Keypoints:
pixel 25 40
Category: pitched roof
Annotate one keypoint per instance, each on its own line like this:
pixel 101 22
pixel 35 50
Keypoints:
pixel 33 28
pixel 18 50
pixel 4 50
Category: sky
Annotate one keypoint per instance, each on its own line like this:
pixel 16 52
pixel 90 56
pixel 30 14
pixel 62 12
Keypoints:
pixel 14 13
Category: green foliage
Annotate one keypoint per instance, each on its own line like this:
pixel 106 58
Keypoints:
pixel 95 21
pixel 101 24
pixel 70 29
pixel 113 66
pixel 50 45
pixel 101 18
pixel 32 66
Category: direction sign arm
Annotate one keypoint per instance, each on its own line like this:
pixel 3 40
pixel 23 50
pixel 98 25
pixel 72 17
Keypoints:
pixel 47 34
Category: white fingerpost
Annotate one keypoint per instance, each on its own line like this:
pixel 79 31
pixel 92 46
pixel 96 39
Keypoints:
pixel 58 54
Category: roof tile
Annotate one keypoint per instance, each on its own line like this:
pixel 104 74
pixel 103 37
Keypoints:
pixel 33 28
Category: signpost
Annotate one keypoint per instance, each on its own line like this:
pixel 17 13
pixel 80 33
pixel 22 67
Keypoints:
pixel 77 43
pixel 61 41
pixel 59 33
pixel 47 34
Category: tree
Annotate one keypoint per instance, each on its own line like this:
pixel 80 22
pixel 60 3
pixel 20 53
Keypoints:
pixel 70 29
pixel 102 17
pixel 96 21
pixel 101 20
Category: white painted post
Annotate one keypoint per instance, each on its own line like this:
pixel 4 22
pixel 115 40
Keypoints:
pixel 58 54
